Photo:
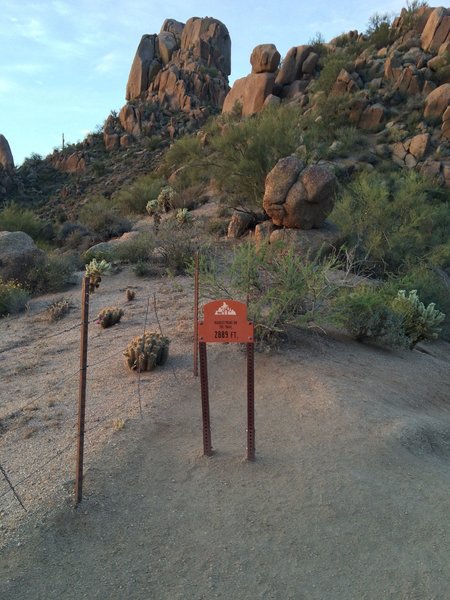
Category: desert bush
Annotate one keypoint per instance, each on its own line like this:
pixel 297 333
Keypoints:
pixel 53 274
pixel 134 198
pixel 15 218
pixel 379 30
pixel 282 288
pixel 331 64
pixel 185 158
pixel 392 220
pixel 137 249
pixel 419 322
pixel 102 217
pixel 13 297
pixel 218 226
pixel 175 248
pixel 365 313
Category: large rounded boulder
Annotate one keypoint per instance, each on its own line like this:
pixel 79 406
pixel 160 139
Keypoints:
pixel 298 196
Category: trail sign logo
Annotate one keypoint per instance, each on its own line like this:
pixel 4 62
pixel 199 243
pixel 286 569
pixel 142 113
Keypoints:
pixel 225 321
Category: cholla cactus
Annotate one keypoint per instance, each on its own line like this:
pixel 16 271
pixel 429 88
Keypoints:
pixel 420 322
pixel 166 195
pixel 109 316
pixel 183 216
pixel 152 207
pixel 94 270
pixel 146 352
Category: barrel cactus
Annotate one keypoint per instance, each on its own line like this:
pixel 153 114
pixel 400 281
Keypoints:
pixel 147 351
pixel 109 316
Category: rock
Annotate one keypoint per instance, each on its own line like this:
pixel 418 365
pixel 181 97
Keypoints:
pixel 138 79
pixel 111 141
pixel 410 161
pixel 437 102
pixel 310 63
pixel 257 87
pixel 174 27
pixel 263 231
pixel 235 95
pixel 291 68
pixel 265 58
pixel 6 157
pixel 240 223
pixel 74 163
pixel 126 140
pixel 410 81
pixel 446 123
pixel 272 100
pixel 299 197
pixel 130 120
pixel 345 84
pixel 437 30
pixel 208 39
pixel 399 151
pixel 18 254
pixel 310 241
pixel 419 145
pixel 167 44
pixel 372 117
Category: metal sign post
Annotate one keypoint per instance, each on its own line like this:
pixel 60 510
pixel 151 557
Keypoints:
pixel 225 321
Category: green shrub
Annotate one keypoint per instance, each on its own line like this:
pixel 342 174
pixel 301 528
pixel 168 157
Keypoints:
pixel 365 314
pixel 392 220
pixel 282 288
pixel 53 274
pixel 379 30
pixel 419 322
pixel 175 247
pixel 101 217
pixel 186 158
pixel 332 64
pixel 137 249
pixel 13 297
pixel 16 218
pixel 134 198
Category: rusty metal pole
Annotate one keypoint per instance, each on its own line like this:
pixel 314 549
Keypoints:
pixel 207 446
pixel 82 389
pixel 250 402
pixel 196 294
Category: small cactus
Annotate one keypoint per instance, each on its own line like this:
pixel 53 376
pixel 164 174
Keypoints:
pixel 147 351
pixel 130 295
pixel 94 270
pixel 109 316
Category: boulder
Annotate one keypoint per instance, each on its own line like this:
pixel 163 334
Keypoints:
pixel 235 95
pixel 138 79
pixel 310 241
pixel 18 254
pixel 130 120
pixel 419 145
pixel 437 30
pixel 299 197
pixel 6 157
pixel 437 101
pixel 265 58
pixel 174 27
pixel 446 124
pixel 167 44
pixel 263 231
pixel 74 163
pixel 344 84
pixel 240 223
pixel 257 87
pixel 208 39
pixel 291 67
pixel 310 63
pixel 111 141
pixel 372 117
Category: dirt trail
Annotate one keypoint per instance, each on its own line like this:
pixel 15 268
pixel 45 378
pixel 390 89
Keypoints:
pixel 348 498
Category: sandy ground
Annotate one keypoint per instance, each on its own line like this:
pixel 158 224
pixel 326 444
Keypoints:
pixel 348 497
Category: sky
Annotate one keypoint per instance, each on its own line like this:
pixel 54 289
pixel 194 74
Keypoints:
pixel 64 64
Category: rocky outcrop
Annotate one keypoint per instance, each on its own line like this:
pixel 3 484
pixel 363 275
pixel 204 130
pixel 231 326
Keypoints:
pixel 18 254
pixel 185 68
pixel 411 151
pixel 6 157
pixel 299 197
pixel 436 30
pixel 73 163
pixel 437 102
pixel 266 83
pixel 307 242
pixel 239 224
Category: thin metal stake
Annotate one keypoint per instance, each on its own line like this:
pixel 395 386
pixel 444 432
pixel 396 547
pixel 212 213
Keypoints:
pixel 82 389
pixel 250 402
pixel 207 447
pixel 196 294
